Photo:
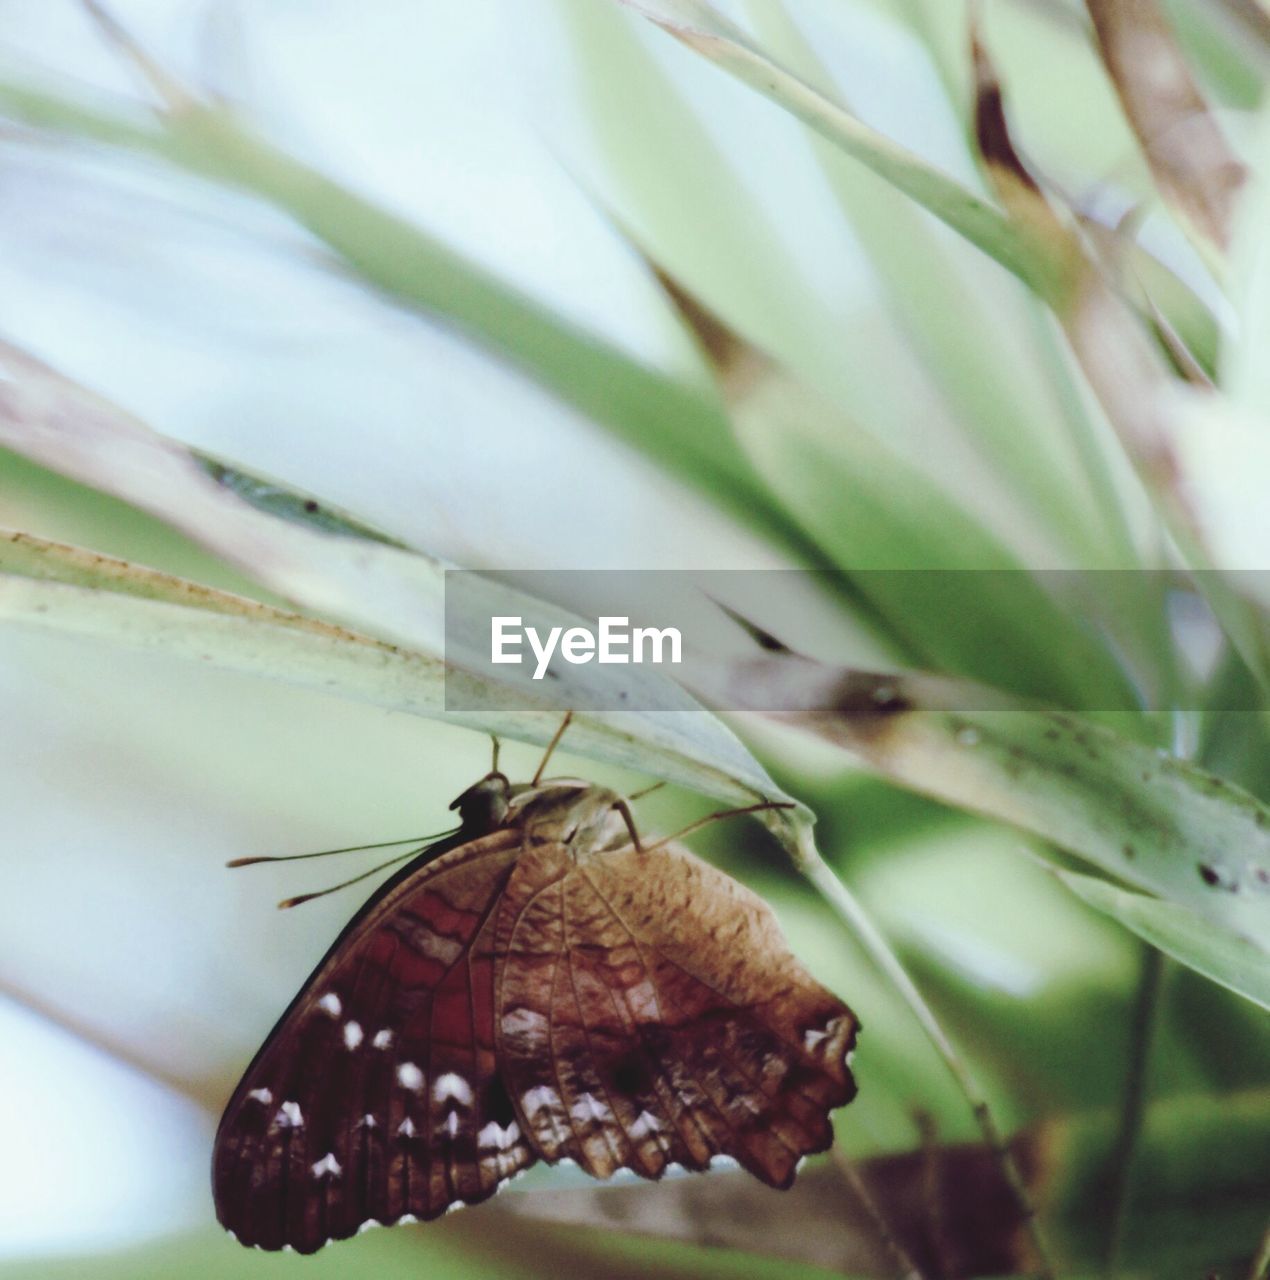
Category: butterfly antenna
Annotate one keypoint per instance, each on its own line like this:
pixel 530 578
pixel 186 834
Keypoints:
pixel 287 903
pixel 352 848
pixel 551 746
pixel 647 791
pixel 718 817
pixel 493 768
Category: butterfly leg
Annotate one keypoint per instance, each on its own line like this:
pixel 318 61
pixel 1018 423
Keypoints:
pixel 625 810
pixel 551 746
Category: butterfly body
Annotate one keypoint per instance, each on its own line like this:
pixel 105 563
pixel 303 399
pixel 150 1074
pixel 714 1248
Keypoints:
pixel 539 986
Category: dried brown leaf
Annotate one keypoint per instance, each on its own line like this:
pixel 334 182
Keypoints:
pixel 1193 165
pixel 948 1209
pixel 735 363
pixel 1123 368
pixel 1015 187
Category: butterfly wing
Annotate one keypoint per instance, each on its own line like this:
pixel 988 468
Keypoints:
pixel 377 1095
pixel 650 1011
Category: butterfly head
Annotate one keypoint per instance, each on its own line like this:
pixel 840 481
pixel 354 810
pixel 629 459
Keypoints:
pixel 570 811
pixel 484 806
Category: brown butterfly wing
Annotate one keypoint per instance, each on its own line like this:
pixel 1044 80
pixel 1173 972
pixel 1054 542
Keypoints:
pixel 377 1095
pixel 650 1011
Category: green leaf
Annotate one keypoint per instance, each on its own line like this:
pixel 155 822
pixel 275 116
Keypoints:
pixel 49 585
pixel 1070 123
pixel 957 598
pixel 1199 1198
pixel 391 593
pixel 1244 373
pixel 1147 818
pixel 209 1254
pixel 675 421
pixel 704 30
pixel 1002 388
pixel 1123 368
pixel 649 156
pixel 1224 957
pixel 949 594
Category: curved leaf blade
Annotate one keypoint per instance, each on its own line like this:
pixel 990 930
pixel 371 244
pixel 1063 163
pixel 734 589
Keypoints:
pixel 637 402
pixel 47 584
pixel 708 33
pixel 1226 958
pixel 1141 815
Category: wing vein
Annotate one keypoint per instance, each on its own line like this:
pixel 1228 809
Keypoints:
pixel 677 1114
pixel 586 1036
pixel 705 1093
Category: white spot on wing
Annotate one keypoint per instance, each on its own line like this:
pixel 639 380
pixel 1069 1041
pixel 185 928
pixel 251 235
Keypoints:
pixel 723 1162
pixel 812 1040
pixel 452 1123
pixel 773 1070
pixel 524 1022
pixel 406 1128
pixel 368 1121
pixel 261 1095
pixel 332 1004
pixel 327 1166
pixel 645 1123
pixel 589 1107
pixel 540 1098
pixel 493 1137
pixel 436 947
pixel 289 1116
pixel 409 1076
pixel 382 1040
pixel 352 1034
pixel 452 1085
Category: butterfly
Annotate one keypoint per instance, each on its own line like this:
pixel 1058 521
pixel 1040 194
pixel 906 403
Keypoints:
pixel 539 985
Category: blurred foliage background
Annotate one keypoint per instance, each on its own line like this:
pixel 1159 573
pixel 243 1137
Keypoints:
pixel 574 284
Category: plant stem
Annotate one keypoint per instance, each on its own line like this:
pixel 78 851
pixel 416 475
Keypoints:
pixel 849 909
pixel 860 1189
pixel 1261 1263
pixel 1133 1108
